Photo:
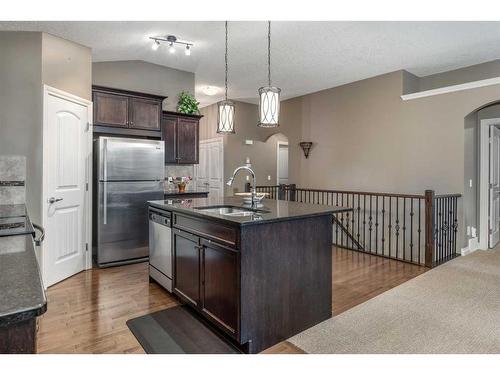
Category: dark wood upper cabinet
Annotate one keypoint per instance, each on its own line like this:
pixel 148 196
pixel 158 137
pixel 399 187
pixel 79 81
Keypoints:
pixel 220 286
pixel 110 109
pixel 169 135
pixel 181 135
pixel 115 108
pixel 187 141
pixel 144 114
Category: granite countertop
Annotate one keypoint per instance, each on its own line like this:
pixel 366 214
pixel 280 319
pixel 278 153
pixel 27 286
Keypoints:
pixel 22 295
pixel 173 192
pixel 270 211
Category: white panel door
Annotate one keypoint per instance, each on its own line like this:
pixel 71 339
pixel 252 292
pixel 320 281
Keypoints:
pixel 494 186
pixel 201 170
pixel 215 168
pixel 282 164
pixel 65 160
pixel 210 171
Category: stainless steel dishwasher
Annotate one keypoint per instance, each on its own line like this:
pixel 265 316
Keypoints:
pixel 160 248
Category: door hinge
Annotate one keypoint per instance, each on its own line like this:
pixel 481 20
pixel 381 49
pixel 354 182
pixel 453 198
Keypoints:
pixel 86 247
pixel 86 186
pixel 88 126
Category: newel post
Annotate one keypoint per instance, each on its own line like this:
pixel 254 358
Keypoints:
pixel 281 192
pixel 293 192
pixel 429 228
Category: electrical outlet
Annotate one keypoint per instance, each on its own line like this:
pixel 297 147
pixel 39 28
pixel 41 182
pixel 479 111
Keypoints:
pixel 468 230
pixel 268 178
pixel 473 232
pixel 470 182
pixel 248 178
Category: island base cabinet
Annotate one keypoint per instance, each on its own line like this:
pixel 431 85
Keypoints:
pixel 187 266
pixel 270 282
pixel 220 286
pixel 286 279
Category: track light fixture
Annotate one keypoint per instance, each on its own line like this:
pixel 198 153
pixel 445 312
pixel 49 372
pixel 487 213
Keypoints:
pixel 172 42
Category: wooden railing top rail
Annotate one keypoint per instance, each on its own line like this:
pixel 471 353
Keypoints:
pixel 398 195
pixel 456 195
pixel 394 195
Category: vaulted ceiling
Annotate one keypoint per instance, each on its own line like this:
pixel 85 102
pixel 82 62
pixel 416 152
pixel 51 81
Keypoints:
pixel 306 56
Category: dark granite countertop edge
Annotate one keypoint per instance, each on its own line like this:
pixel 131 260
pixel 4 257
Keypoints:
pixel 221 219
pixel 22 315
pixel 187 192
pixel 14 316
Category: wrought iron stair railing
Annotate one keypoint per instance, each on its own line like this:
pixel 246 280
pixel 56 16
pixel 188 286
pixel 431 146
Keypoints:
pixel 414 228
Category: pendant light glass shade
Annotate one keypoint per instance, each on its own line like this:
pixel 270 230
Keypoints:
pixel 225 117
pixel 225 108
pixel 269 107
pixel 269 96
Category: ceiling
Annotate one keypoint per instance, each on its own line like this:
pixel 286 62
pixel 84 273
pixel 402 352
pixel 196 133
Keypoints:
pixel 306 56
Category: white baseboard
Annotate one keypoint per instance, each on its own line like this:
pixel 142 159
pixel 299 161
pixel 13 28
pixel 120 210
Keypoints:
pixel 472 246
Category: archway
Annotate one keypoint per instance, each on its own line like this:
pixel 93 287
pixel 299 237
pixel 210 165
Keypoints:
pixel 477 195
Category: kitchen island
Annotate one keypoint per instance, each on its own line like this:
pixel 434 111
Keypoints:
pixel 258 275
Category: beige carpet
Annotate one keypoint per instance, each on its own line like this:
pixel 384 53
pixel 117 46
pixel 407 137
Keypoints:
pixel 454 308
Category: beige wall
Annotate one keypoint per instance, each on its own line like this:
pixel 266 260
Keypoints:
pixel 21 107
pixel 67 66
pixel 366 138
pixel 27 61
pixel 144 77
pixel 471 73
pixel 262 153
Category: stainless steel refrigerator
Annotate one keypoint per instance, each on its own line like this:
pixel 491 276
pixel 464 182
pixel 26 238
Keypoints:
pixel 128 173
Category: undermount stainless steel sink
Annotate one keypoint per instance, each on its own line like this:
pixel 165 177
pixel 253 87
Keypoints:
pixel 230 210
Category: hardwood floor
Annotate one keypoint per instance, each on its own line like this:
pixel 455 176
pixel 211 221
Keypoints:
pixel 87 312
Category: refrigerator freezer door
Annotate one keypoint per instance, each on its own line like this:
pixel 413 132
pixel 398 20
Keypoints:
pixel 123 219
pixel 124 159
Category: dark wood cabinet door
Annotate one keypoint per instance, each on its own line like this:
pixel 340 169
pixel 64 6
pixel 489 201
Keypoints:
pixel 187 141
pixel 110 109
pixel 187 266
pixel 144 114
pixel 220 286
pixel 169 136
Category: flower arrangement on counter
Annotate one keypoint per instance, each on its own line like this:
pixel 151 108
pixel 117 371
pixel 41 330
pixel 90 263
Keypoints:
pixel 181 182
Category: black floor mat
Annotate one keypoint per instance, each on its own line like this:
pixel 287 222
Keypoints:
pixel 177 331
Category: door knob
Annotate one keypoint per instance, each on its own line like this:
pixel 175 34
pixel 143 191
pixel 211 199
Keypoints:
pixel 52 200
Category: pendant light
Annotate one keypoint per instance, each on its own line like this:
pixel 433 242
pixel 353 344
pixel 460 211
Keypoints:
pixel 269 96
pixel 225 111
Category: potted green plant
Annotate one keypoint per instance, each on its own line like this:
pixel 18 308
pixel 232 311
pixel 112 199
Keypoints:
pixel 187 104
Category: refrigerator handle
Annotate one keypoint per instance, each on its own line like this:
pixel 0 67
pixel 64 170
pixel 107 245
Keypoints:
pixel 105 160
pixel 105 179
pixel 105 203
